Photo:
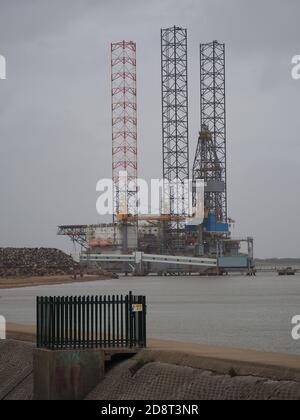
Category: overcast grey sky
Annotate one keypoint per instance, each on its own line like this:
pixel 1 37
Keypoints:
pixel 55 117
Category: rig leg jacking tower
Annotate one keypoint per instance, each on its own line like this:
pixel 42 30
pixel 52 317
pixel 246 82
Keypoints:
pixel 175 133
pixel 124 139
pixel 210 165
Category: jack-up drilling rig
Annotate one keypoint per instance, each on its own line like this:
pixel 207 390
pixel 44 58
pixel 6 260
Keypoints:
pixel 175 231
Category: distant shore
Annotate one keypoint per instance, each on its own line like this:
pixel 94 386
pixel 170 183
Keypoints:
pixel 18 282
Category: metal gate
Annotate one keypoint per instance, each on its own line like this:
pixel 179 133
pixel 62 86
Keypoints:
pixel 82 322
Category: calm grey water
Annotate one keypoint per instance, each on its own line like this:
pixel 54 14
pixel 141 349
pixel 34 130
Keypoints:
pixel 236 311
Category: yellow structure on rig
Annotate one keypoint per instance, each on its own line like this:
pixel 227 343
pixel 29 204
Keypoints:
pixel 127 218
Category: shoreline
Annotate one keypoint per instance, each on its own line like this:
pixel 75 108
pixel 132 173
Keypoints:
pixel 22 282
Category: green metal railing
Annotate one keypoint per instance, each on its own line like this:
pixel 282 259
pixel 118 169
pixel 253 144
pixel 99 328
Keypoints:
pixel 82 322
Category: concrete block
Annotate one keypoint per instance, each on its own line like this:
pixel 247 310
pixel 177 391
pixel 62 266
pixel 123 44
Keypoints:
pixel 66 374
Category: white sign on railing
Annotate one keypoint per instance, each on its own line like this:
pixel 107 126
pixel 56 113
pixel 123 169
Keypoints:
pixel 137 307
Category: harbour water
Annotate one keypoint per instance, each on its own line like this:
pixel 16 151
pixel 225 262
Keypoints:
pixel 235 311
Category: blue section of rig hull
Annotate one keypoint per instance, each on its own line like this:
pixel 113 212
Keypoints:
pixel 212 225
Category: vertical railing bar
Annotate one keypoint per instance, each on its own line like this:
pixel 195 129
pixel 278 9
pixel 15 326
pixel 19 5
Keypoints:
pixel 122 319
pixel 118 321
pixel 50 319
pixel 45 322
pixel 126 308
pixel 53 322
pixel 84 320
pixel 57 324
pixel 137 323
pixel 109 320
pixel 48 323
pixel 134 317
pixel 58 317
pixel 113 320
pixel 140 324
pixel 101 322
pixel 75 323
pixel 44 314
pixel 71 335
pixel 66 322
pixel 42 321
pixel 92 320
pixel 47 326
pixel 88 322
pixel 144 322
pixel 79 321
pixel 130 320
pixel 37 323
pixel 96 321
pixel 45 309
pixel 61 322
pixel 104 320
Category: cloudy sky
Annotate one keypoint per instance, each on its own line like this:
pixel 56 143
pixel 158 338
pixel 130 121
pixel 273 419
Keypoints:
pixel 55 130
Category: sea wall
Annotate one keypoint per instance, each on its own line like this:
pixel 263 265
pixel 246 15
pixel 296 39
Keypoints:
pixel 133 380
pixel 170 371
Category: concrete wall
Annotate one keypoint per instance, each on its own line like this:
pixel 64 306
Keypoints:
pixel 67 374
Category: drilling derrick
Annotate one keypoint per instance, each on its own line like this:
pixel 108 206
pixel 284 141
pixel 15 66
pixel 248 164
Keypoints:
pixel 124 127
pixel 207 168
pixel 210 159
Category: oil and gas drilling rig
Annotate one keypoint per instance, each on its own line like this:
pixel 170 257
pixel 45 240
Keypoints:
pixel 175 232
